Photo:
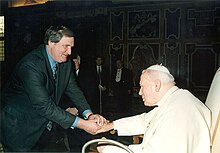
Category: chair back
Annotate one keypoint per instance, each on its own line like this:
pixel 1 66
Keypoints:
pixel 213 103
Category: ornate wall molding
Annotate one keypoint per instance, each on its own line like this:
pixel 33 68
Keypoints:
pixel 172 23
pixel 171 57
pixel 201 64
pixel 116 25
pixel 144 24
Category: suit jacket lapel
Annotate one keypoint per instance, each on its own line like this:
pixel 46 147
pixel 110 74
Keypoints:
pixel 49 71
pixel 59 85
pixel 48 67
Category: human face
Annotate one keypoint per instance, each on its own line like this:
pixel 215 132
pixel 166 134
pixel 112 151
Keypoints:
pixel 99 61
pixel 118 64
pixel 147 90
pixel 61 50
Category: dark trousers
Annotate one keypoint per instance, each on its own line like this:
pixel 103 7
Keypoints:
pixel 50 141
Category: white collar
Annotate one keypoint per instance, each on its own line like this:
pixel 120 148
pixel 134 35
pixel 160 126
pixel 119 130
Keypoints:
pixel 164 98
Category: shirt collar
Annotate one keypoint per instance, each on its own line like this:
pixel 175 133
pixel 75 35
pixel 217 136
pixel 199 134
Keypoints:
pixel 169 92
pixel 51 60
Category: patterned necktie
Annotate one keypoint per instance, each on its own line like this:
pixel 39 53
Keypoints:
pixel 55 71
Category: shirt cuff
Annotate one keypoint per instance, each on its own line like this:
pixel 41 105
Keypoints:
pixel 75 122
pixel 85 112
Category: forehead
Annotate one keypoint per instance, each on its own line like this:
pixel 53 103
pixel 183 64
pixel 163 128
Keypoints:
pixel 67 41
pixel 144 78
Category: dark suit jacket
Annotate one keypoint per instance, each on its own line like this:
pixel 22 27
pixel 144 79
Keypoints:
pixel 121 88
pixel 31 100
pixel 104 76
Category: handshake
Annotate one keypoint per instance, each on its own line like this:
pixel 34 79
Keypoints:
pixel 94 124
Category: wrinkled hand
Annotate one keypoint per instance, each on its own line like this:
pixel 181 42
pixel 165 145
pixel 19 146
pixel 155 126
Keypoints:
pixel 106 127
pixel 100 120
pixel 72 110
pixel 90 126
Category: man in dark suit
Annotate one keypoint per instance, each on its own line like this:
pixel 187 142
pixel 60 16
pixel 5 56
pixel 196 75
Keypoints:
pixel 100 78
pixel 34 90
pixel 122 87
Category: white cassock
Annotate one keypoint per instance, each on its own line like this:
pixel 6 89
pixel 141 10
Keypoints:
pixel 180 124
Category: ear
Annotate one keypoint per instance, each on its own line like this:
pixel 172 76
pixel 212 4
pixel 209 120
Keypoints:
pixel 157 85
pixel 50 43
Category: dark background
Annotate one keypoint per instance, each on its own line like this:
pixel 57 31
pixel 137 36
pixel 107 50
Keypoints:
pixel 182 35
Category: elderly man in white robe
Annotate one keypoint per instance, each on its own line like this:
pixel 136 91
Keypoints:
pixel 180 123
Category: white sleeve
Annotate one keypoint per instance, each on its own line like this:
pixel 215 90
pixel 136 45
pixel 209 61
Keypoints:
pixel 134 125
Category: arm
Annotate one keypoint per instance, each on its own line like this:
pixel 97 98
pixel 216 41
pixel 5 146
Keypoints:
pixel 38 89
pixel 134 125
pixel 80 101
pixel 76 95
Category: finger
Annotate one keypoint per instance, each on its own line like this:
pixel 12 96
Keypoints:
pixel 99 121
pixel 103 120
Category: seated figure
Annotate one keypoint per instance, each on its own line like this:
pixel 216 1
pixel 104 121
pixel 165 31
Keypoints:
pixel 179 123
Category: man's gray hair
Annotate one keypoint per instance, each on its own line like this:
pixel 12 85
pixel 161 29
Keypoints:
pixel 55 34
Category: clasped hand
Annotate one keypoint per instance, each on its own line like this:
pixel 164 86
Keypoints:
pixel 103 124
pixel 100 120
pixel 95 123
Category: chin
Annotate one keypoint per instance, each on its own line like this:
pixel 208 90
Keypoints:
pixel 63 60
pixel 147 104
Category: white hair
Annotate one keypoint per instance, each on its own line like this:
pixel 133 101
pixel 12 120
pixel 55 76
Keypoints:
pixel 160 72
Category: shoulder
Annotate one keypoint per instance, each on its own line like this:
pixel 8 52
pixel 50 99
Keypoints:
pixel 33 61
pixel 35 57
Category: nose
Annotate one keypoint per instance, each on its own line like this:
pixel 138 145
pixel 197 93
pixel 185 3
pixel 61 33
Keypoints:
pixel 140 92
pixel 69 50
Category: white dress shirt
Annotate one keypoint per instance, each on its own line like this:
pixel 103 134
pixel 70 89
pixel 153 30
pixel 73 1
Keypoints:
pixel 77 72
pixel 99 69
